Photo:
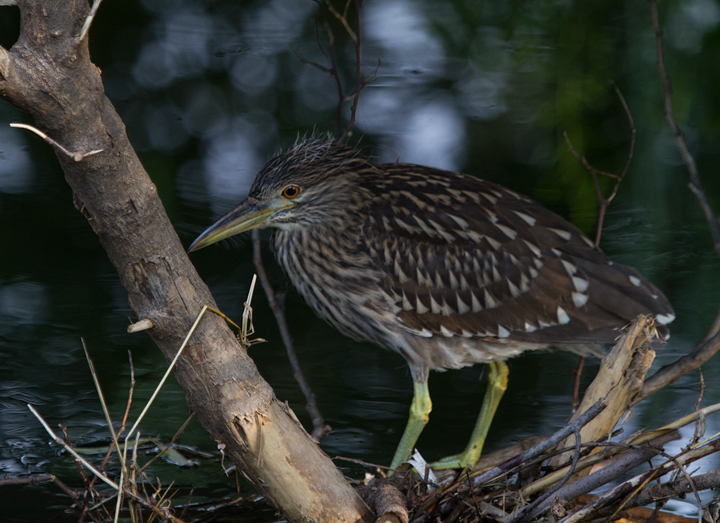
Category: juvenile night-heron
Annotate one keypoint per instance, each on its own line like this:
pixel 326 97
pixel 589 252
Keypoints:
pixel 444 268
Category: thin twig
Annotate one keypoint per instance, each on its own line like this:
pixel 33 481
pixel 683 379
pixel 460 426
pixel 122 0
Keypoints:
pixel 629 487
pixel 672 372
pixel 577 373
pixel 543 502
pixel 75 455
pixel 320 429
pixel 113 434
pixel 89 20
pixel 538 449
pixel 343 21
pixel 605 201
pixel 695 184
pixel 711 480
pixel 77 156
pixel 124 420
pixel 30 480
pixel 359 81
pixel 343 132
pixel 167 372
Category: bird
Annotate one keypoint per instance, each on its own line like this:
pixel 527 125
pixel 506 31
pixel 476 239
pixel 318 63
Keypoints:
pixel 444 268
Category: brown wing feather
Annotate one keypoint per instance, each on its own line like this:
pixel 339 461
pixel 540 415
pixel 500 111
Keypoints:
pixel 466 257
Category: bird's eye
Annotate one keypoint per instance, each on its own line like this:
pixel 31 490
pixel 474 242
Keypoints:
pixel 291 191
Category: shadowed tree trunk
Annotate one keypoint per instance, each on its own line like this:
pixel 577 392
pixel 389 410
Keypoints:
pixel 48 73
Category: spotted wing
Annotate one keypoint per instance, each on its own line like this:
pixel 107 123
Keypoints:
pixel 466 257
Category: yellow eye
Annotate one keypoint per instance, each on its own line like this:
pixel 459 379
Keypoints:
pixel 291 191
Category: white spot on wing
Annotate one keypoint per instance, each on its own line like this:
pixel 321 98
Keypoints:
pixel 507 231
pixel 462 223
pixel 462 306
pixel 490 302
pixel 579 299
pixel 492 199
pixel 446 332
pixel 493 242
pixel 587 241
pixel 529 328
pixel 569 267
pixel 565 235
pixel 399 273
pixel 419 307
pixel 503 332
pixel 563 317
pixel 493 217
pixel 534 248
pixel 474 236
pixel 453 280
pixel 664 319
pixel 635 280
pixel 526 218
pixel 435 306
pixel 407 306
pixel 580 284
pixel 476 307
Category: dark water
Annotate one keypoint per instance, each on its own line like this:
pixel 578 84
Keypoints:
pixel 210 90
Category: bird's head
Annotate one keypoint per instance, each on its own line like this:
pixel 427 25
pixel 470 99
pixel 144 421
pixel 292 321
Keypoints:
pixel 312 183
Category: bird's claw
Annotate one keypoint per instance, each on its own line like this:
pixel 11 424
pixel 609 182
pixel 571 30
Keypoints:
pixel 456 461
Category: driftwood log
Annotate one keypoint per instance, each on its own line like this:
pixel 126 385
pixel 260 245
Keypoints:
pixel 48 73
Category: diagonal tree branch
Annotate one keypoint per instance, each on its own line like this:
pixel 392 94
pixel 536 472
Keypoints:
pixel 54 79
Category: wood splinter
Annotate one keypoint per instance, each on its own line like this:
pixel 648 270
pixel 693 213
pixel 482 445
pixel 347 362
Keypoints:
pixel 142 325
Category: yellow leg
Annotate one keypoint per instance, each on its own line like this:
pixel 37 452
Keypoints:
pixel 497 383
pixel 419 414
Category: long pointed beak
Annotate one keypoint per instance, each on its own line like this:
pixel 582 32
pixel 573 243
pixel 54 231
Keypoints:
pixel 250 214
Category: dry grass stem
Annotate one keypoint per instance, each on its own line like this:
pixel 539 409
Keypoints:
pixel 88 21
pixel 74 454
pixel 113 434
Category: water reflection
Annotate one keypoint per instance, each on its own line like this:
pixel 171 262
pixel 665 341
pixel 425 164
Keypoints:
pixel 208 91
pixel 22 303
pixel 16 173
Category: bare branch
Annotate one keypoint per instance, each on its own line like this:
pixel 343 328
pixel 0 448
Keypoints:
pixel 671 373
pixel 544 501
pixel 651 494
pixel 695 184
pixel 605 201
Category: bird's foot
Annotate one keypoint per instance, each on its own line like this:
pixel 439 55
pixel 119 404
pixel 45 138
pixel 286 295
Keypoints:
pixel 457 461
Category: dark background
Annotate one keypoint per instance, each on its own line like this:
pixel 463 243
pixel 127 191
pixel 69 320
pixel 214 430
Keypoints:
pixel 209 90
